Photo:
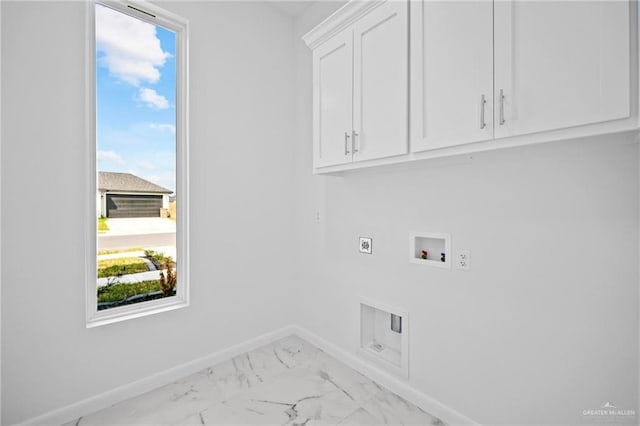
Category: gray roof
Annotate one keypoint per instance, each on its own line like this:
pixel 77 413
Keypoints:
pixel 126 182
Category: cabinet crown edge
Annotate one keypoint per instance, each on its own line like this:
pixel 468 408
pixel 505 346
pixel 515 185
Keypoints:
pixel 338 21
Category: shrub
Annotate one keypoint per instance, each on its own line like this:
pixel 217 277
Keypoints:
pixel 102 224
pixel 168 282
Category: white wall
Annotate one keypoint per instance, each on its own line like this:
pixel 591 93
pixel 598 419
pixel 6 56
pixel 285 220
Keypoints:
pixel 543 326
pixel 241 192
pixel 0 215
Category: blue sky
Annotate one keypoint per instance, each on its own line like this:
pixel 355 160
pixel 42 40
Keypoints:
pixel 135 91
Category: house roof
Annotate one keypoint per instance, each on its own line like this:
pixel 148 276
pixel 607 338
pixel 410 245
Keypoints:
pixel 126 182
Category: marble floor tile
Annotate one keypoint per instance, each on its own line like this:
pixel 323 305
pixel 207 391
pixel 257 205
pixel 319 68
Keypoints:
pixel 357 386
pixel 390 409
pixel 360 417
pixel 164 405
pixel 289 382
pixel 298 396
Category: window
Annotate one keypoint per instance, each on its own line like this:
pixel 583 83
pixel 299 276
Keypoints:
pixel 137 261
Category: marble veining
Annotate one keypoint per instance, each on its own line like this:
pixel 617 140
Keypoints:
pixel 289 382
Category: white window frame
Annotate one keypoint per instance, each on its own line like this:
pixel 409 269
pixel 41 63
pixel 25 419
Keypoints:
pixel 160 17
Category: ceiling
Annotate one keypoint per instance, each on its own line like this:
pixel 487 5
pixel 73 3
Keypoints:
pixel 293 8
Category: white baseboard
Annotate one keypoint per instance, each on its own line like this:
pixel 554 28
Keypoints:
pixel 130 390
pixel 394 384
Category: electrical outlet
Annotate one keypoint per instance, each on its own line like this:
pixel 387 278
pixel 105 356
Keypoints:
pixel 365 245
pixel 463 260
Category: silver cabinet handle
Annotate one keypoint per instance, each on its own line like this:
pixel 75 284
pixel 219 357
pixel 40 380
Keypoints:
pixel 501 107
pixel 346 143
pixel 353 141
pixel 483 102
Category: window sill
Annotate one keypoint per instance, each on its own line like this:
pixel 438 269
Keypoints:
pixel 143 309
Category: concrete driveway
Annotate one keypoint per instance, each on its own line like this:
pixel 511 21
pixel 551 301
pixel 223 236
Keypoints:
pixel 139 226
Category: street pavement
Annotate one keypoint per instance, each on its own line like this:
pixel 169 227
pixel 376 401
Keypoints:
pixel 114 242
pixel 137 232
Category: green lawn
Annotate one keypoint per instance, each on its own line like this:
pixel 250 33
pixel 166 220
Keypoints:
pixel 102 224
pixel 120 266
pixel 120 250
pixel 117 292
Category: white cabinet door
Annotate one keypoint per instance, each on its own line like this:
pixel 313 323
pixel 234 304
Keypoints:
pixel 560 64
pixel 381 82
pixel 332 85
pixel 451 73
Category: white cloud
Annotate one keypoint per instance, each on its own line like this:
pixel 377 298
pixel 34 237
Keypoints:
pixel 131 50
pixel 110 157
pixel 152 99
pixel 163 127
pixel 146 165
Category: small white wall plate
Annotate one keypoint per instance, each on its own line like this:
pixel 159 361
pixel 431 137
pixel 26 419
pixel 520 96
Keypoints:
pixel 463 260
pixel 365 246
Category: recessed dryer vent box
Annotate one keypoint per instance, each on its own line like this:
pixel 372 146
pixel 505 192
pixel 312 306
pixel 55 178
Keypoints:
pixel 384 337
pixel 429 248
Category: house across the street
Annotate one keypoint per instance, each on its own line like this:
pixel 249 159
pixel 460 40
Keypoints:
pixel 127 195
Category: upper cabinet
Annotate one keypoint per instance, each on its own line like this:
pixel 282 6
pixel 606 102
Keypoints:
pixel 360 84
pixel 476 75
pixel 560 64
pixel 333 96
pixel 482 70
pixel 451 73
pixel 380 82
